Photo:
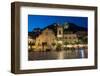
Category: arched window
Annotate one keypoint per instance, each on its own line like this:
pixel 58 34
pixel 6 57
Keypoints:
pixel 59 32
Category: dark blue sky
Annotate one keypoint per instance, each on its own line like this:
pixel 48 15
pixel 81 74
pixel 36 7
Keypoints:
pixel 41 21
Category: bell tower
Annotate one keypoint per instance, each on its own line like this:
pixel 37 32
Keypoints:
pixel 60 31
pixel 60 34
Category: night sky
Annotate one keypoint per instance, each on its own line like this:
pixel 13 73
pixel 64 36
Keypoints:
pixel 41 21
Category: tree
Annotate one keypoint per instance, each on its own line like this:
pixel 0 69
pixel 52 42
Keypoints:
pixel 65 43
pixel 53 44
pixel 77 42
pixel 85 40
pixel 58 48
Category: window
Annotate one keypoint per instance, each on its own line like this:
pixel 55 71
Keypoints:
pixel 59 32
pixel 69 37
pixel 44 43
pixel 66 38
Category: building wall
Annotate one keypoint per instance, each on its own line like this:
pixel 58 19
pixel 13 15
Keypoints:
pixel 70 38
pixel 62 37
pixel 46 37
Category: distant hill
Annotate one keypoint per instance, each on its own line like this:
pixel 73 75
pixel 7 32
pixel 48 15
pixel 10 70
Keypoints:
pixel 68 27
pixel 75 28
